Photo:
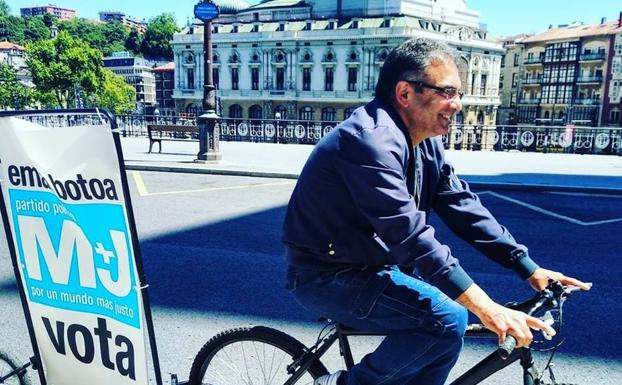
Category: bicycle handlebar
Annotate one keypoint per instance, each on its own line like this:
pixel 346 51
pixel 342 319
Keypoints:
pixel 551 297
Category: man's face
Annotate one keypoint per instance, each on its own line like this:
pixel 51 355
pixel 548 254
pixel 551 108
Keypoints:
pixel 431 110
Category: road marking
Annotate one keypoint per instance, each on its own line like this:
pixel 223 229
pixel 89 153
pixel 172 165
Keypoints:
pixel 578 194
pixel 140 184
pixel 550 213
pixel 142 188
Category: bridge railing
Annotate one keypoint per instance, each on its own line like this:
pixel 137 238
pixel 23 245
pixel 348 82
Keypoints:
pixel 524 137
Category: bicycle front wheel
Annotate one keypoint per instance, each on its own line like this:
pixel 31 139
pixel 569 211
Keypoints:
pixel 251 356
pixel 8 364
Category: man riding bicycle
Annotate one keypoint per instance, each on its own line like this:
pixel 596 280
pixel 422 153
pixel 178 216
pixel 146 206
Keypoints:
pixel 359 247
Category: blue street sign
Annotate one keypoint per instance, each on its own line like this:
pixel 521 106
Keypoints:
pixel 206 11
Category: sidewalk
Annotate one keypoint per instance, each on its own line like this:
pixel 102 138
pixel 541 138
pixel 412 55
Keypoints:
pixel 482 169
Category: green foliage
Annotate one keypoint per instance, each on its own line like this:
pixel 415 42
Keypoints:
pixel 63 65
pixel 13 94
pixel 4 8
pixel 35 29
pixel 157 39
pixel 12 29
pixel 134 41
pixel 106 37
pixel 117 96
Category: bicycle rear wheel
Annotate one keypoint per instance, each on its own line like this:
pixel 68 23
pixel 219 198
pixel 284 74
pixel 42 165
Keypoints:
pixel 251 356
pixel 8 363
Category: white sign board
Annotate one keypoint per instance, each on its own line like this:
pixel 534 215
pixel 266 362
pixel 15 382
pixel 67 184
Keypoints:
pixel 67 217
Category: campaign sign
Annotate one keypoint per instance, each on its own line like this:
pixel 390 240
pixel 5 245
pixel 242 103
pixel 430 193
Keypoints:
pixel 72 243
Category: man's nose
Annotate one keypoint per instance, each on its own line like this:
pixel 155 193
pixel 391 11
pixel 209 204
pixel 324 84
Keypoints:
pixel 456 104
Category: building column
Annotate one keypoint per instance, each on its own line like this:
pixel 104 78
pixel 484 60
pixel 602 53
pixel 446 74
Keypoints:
pixel 199 71
pixel 177 71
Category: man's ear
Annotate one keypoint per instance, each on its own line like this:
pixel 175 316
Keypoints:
pixel 402 95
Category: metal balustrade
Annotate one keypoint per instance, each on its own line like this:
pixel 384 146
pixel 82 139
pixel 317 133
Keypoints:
pixel 524 137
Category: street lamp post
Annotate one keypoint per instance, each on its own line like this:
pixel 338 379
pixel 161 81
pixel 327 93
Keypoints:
pixel 209 147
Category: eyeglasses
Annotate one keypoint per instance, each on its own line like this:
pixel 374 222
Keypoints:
pixel 449 93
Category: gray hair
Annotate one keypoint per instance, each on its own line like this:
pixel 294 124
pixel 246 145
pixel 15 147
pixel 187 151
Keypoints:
pixel 408 61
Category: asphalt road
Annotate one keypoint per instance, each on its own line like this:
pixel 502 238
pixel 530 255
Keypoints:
pixel 213 258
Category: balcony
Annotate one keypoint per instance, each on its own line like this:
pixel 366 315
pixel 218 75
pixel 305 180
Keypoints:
pixel 590 79
pixel 530 101
pixel 531 81
pixel 595 56
pixel 587 101
pixel 187 94
pixel 533 60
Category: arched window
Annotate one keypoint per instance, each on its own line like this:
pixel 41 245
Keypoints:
pixel 614 115
pixel 547 115
pixel 280 112
pixel 381 55
pixel 306 113
pixel 348 111
pixel 255 112
pixel 459 118
pixel 192 109
pixel 235 111
pixel 480 118
pixel 329 114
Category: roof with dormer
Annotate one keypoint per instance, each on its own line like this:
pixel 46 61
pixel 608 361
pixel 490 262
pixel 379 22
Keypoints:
pixel 279 4
pixel 231 6
pixel 9 45
pixel 575 31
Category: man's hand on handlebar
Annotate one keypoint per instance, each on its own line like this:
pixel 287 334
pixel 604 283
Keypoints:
pixel 503 321
pixel 541 277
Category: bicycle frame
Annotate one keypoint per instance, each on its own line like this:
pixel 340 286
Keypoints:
pixel 482 370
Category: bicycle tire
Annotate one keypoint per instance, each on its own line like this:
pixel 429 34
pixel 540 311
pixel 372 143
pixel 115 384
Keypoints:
pixel 258 364
pixel 9 363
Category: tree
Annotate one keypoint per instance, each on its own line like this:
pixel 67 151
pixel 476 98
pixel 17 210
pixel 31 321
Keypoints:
pixel 134 41
pixel 64 65
pixel 107 37
pixel 12 29
pixel 116 95
pixel 35 29
pixel 158 35
pixel 13 94
pixel 5 10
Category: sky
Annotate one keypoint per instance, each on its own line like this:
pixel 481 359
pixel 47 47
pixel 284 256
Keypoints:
pixel 503 17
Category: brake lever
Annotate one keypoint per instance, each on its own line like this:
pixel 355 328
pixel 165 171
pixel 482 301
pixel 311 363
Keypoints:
pixel 548 319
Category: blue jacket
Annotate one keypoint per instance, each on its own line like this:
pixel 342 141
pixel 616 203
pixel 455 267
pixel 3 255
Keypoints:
pixel 364 198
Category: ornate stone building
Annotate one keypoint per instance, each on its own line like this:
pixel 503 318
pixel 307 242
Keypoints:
pixel 320 59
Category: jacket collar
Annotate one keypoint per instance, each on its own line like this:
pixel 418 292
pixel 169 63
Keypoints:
pixel 410 171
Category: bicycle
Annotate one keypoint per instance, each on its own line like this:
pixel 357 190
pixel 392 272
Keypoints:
pixel 262 355
pixel 13 373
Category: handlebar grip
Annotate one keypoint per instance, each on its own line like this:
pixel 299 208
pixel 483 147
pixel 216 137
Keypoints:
pixel 506 347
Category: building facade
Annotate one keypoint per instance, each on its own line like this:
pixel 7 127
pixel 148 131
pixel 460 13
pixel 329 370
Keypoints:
pixel 137 73
pixel 164 86
pixel 121 17
pixel 319 60
pixel 15 56
pixel 508 80
pixel 612 104
pixel 559 76
pixel 61 13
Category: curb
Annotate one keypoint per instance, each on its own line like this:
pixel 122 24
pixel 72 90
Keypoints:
pixel 480 185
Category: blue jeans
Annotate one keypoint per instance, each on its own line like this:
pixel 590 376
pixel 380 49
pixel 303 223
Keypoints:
pixel 424 327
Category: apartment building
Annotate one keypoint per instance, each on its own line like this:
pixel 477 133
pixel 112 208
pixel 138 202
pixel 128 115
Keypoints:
pixel 121 17
pixel 562 75
pixel 61 13
pixel 137 73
